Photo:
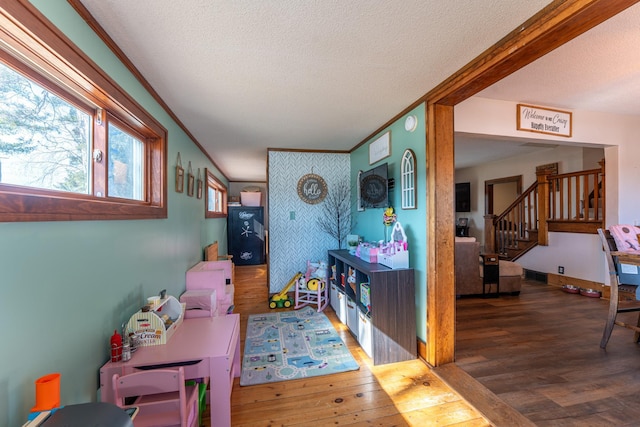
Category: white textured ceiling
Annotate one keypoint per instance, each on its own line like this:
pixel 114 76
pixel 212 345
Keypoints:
pixel 597 71
pixel 244 76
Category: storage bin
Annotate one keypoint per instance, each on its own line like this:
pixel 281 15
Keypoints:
pixel 364 333
pixel 250 198
pixel 200 303
pixel 352 316
pixel 153 327
pixel 333 296
pixel 341 306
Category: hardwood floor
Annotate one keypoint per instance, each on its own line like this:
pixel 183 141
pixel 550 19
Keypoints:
pixel 528 360
pixel 400 394
pixel 539 352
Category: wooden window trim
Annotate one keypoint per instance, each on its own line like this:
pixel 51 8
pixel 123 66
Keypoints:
pixel 212 181
pixel 23 32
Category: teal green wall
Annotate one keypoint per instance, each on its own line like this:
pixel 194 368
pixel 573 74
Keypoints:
pixel 67 285
pixel 414 221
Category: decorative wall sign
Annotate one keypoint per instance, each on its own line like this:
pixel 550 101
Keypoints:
pixel 179 175
pixel 190 181
pixel 200 185
pixel 374 190
pixel 312 188
pixel 543 120
pixel 380 148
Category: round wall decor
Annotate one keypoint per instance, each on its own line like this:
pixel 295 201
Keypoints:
pixel 312 188
pixel 373 190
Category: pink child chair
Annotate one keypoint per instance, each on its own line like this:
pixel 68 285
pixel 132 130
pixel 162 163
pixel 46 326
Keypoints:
pixel 161 396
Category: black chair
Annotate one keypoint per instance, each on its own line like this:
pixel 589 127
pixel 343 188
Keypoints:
pixel 615 306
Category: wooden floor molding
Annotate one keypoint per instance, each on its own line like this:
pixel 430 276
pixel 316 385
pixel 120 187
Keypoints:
pixel 481 398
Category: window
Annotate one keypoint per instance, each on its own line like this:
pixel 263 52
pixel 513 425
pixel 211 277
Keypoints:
pixel 215 201
pixel 73 144
pixel 126 164
pixel 408 180
pixel 44 140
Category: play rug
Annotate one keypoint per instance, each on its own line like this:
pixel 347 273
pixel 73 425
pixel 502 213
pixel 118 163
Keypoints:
pixel 292 344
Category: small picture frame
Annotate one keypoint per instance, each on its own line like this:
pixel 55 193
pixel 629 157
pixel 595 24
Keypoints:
pixel 199 185
pixel 179 176
pixel 190 181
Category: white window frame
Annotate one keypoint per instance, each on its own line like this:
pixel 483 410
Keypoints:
pixel 408 180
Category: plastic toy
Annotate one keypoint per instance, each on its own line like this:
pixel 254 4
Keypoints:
pixel 282 299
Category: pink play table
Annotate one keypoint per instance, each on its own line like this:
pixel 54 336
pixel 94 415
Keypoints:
pixel 205 347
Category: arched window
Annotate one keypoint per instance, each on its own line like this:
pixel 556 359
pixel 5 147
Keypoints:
pixel 408 180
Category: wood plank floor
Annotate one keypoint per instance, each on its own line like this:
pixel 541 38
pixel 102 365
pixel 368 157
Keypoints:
pixel 527 360
pixel 399 394
pixel 539 352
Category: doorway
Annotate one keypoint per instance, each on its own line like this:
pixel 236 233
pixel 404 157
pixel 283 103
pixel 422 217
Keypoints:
pixel 500 193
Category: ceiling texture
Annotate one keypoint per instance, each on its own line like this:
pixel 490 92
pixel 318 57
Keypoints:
pixel 246 75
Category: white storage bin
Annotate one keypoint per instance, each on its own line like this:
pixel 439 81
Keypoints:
pixel 341 306
pixel 333 296
pixel 352 316
pixel 250 198
pixel 365 333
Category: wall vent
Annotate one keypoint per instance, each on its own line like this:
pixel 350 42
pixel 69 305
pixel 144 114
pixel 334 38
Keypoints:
pixel 535 275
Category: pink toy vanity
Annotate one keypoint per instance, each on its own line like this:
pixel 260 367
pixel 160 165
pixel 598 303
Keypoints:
pixel 209 290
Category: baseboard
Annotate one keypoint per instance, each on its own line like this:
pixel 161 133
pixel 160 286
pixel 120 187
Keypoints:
pixel 560 280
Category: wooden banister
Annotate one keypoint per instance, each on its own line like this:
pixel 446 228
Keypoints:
pixel 571 202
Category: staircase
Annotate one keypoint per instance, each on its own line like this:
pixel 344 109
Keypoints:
pixel 571 202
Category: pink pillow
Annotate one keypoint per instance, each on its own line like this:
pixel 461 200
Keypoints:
pixel 626 237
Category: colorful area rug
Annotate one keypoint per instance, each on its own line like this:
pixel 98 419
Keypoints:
pixel 292 344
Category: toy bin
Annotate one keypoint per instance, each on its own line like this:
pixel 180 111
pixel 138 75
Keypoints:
pixel 250 198
pixel 365 333
pixel 340 306
pixel 156 326
pixel 200 303
pixel 352 316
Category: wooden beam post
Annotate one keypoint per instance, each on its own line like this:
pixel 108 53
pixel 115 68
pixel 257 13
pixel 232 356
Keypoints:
pixel 441 307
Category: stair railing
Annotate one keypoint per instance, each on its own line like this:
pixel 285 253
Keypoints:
pixel 573 202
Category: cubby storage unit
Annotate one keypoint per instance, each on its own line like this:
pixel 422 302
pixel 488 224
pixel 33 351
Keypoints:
pixel 386 331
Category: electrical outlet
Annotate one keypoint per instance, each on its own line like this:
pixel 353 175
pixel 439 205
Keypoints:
pixel 560 269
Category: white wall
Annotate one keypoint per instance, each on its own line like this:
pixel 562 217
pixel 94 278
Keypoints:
pixel 619 133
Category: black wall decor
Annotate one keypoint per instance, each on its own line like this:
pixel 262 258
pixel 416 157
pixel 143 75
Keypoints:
pixel 374 190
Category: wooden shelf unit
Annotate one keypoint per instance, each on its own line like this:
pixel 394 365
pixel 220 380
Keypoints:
pixel 392 319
